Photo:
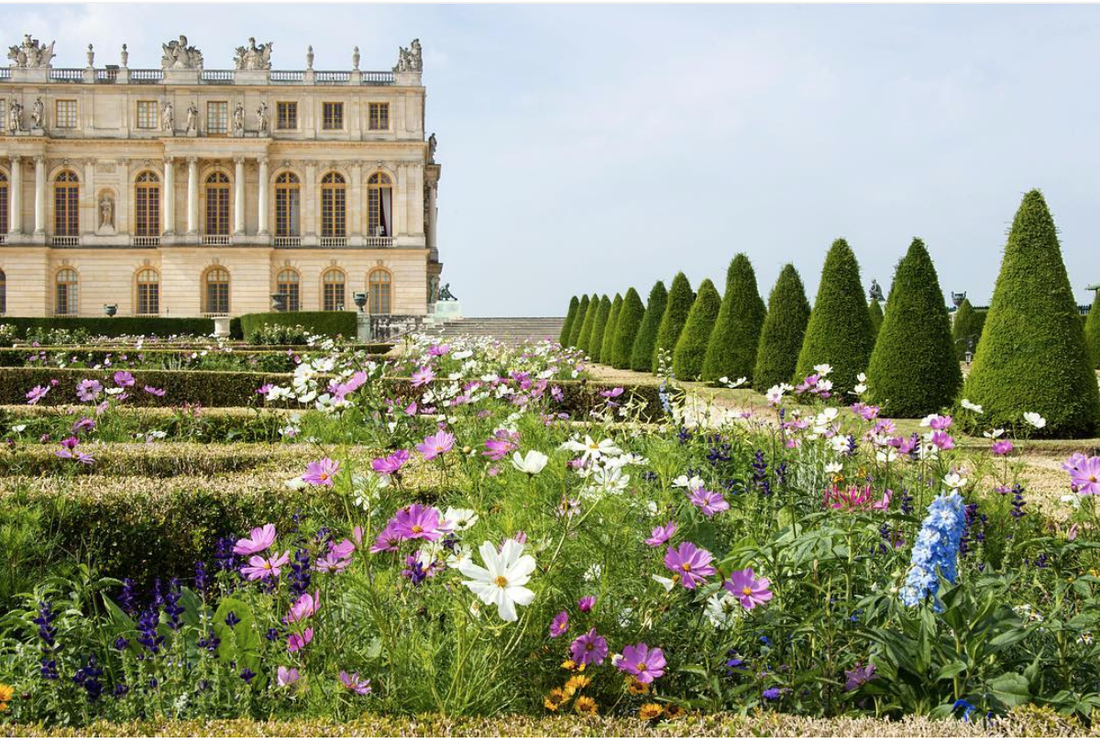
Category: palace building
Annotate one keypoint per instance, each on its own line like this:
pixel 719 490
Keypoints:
pixel 185 191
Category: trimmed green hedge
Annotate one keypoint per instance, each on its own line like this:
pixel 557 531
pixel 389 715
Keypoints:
pixel 116 326
pixel 1092 330
pixel 783 331
pixel 158 358
pixel 607 346
pixel 677 308
pixel 875 308
pixel 578 322
pixel 626 329
pixel 331 324
pixel 691 349
pixel 570 316
pixel 966 328
pixel 641 357
pixel 731 351
pixel 603 314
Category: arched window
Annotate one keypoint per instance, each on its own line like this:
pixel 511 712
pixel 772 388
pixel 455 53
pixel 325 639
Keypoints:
pixel 381 292
pixel 66 205
pixel 333 290
pixel 379 206
pixel 333 206
pixel 216 292
pixel 66 297
pixel 288 282
pixel 288 199
pixel 148 292
pixel 147 205
pixel 4 204
pixel 3 292
pixel 217 204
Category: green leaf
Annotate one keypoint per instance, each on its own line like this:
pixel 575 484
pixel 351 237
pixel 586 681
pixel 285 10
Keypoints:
pixel 951 670
pixel 1011 689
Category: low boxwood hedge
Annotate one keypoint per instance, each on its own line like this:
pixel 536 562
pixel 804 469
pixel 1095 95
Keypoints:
pixel 331 324
pixel 156 358
pixel 115 326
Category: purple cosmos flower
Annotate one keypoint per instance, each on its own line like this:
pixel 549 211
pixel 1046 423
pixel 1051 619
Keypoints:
pixel 257 541
pixel 124 379
pixel 263 567
pixel 306 606
pixel 390 464
pixel 662 534
pixel 295 643
pixel 1002 447
pixel 84 424
pixel 321 472
pixel 690 563
pixel 749 590
pixel 88 390
pixel 586 603
pixel 37 394
pixel 589 648
pixel 422 376
pixel 154 391
pixel 438 443
pixel 859 676
pixel 1084 473
pixel 439 350
pixel 419 522
pixel 265 388
pixel 644 664
pixel 337 559
pixel 611 393
pixel 942 441
pixel 353 683
pixel 388 539
pixel 708 502
pixel 286 676
pixel 559 625
pixel 501 444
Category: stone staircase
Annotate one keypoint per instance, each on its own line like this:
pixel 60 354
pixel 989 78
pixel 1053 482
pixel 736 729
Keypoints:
pixel 507 329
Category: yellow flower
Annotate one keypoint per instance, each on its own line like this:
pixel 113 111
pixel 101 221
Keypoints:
pixel 635 687
pixel 650 711
pixel 575 683
pixel 6 693
pixel 569 665
pixel 554 699
pixel 585 706
pixel 673 711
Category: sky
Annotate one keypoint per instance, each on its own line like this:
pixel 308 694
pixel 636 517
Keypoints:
pixel 593 148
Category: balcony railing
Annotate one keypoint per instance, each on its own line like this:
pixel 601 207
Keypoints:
pixel 145 241
pixel 287 242
pixel 217 76
pixel 216 240
pixel 378 242
pixel 333 77
pixel 146 76
pixel 67 74
pixel 220 77
pixel 334 242
pixel 109 75
pixel 287 76
pixel 65 241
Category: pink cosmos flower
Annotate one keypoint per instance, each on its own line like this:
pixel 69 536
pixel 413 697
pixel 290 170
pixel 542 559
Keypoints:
pixel 940 422
pixel 422 376
pixel 1085 475
pixel 262 567
pixel 420 522
pixel 501 446
pixel 589 648
pixel 559 625
pixel 154 391
pixel 1002 447
pixel 662 534
pixel 286 676
pixel 88 390
pixel 438 443
pixel 749 590
pixel 390 464
pixel 306 606
pixel 387 540
pixel 337 559
pixel 36 394
pixel 353 683
pixel 264 389
pixel 690 563
pixel 708 502
pixel 124 379
pixel 585 603
pixel 439 350
pixel 321 472
pixel 611 393
pixel 644 664
pixel 84 424
pixel 942 441
pixel 257 541
pixel 297 642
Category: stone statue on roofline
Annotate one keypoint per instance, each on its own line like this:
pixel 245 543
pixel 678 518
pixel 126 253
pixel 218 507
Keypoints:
pixel 31 53
pixel 445 293
pixel 253 57
pixel 410 59
pixel 178 55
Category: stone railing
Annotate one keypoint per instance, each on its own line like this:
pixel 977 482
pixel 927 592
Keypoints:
pixel 117 75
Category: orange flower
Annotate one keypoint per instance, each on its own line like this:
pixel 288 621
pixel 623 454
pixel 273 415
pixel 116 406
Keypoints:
pixel 6 693
pixel 585 706
pixel 576 683
pixel 569 665
pixel 650 711
pixel 673 711
pixel 636 687
pixel 555 699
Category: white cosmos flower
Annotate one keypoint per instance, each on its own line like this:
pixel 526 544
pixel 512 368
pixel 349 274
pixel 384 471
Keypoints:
pixel 954 480
pixel 721 609
pixel 887 455
pixel 296 483
pixel 734 384
pixel 823 369
pixel 996 433
pixel 531 464
pixel 971 406
pixel 668 583
pixel 19 428
pixel 1035 419
pixel 859 389
pixel 826 416
pixel 692 483
pixel 591 450
pixel 503 580
pixel 833 468
pixel 775 394
pixel 460 519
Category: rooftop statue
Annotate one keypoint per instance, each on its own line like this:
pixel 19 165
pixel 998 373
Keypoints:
pixel 31 53
pixel 411 59
pixel 179 56
pixel 253 57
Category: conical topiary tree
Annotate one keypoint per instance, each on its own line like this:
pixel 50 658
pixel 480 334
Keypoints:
pixel 914 370
pixel 626 329
pixel 578 322
pixel 966 329
pixel 571 315
pixel 839 331
pixel 598 329
pixel 1092 330
pixel 731 351
pixel 875 309
pixel 608 344
pixel 677 309
pixel 641 358
pixel 784 328
pixel 1032 355
pixel 691 349
pixel 584 342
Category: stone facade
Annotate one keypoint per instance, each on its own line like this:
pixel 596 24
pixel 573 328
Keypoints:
pixel 106 173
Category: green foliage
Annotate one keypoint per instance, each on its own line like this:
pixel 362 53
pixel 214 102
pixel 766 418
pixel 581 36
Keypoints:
pixel 570 316
pixel 602 316
pixel 687 358
pixel 330 324
pixel 783 331
pixel 641 357
pixel 677 309
pixel 1092 330
pixel 875 308
pixel 914 370
pixel 839 331
pixel 608 345
pixel 731 351
pixel 584 340
pixel 578 322
pixel 113 327
pixel 1032 356
pixel 626 329
pixel 966 328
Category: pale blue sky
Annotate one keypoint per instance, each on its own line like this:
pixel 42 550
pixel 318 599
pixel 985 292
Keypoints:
pixel 590 148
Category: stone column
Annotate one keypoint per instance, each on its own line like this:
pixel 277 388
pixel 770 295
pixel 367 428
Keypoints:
pixel 39 195
pixel 192 195
pixel 89 211
pixel 309 203
pixel 357 205
pixel 15 213
pixel 432 215
pixel 168 199
pixel 238 196
pixel 263 230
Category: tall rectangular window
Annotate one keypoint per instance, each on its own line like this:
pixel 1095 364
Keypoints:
pixel 286 115
pixel 380 117
pixel 65 114
pixel 332 115
pixel 147 115
pixel 217 118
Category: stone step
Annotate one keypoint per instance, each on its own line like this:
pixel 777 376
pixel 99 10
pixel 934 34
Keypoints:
pixel 505 329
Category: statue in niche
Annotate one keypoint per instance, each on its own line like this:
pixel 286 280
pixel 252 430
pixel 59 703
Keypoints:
pixel 31 53
pixel 179 56
pixel 168 118
pixel 238 119
pixel 253 57
pixel 15 117
pixel 106 212
pixel 192 118
pixel 37 113
pixel 410 59
pixel 433 289
pixel 262 118
pixel 431 148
